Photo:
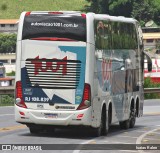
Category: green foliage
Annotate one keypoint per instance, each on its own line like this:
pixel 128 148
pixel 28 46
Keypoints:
pixel 8 43
pixel 6 100
pixel 16 7
pixel 3 7
pixel 11 73
pixel 142 10
pixel 148 83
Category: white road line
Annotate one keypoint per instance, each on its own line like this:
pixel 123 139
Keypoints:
pixel 78 149
pixel 140 138
pixel 6 115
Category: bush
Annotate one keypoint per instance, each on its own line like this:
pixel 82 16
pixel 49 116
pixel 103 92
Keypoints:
pixel 148 83
pixel 8 43
pixel 11 73
pixel 6 100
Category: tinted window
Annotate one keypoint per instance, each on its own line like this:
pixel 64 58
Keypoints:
pixel 49 25
pixel 115 35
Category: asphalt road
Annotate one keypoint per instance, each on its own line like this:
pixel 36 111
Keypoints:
pixel 146 131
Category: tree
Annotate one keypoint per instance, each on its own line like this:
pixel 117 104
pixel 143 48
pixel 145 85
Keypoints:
pixel 99 6
pixel 8 43
pixel 142 10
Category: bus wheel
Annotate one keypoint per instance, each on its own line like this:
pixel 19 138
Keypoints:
pixel 124 124
pixel 34 130
pixel 50 129
pixel 132 118
pixel 104 125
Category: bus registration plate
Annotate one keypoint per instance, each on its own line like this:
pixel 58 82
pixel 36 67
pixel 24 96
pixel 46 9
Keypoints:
pixel 50 115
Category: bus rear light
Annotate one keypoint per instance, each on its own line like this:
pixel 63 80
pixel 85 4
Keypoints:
pixel 86 100
pixel 19 97
pixel 83 15
pixel 27 13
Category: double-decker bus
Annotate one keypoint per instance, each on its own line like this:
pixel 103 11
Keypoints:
pixel 76 69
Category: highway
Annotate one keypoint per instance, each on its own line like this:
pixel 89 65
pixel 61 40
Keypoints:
pixel 146 131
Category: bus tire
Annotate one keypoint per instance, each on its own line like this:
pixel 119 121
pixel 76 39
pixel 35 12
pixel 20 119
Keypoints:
pixel 124 124
pixel 132 118
pixel 50 129
pixel 104 125
pixel 34 130
pixel 130 122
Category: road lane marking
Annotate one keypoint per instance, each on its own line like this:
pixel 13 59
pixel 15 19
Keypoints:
pixel 12 128
pixel 6 115
pixel 142 137
pixel 78 149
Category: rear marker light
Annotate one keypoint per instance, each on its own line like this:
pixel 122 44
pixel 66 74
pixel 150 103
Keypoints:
pixel 86 100
pixel 80 116
pixel 83 15
pixel 19 98
pixel 22 113
pixel 28 13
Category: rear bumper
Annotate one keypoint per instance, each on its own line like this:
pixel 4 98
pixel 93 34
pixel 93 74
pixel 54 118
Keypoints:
pixel 63 118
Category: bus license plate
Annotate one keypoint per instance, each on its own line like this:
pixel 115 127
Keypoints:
pixel 50 115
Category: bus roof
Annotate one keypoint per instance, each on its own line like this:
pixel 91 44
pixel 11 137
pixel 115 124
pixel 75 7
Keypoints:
pixel 114 18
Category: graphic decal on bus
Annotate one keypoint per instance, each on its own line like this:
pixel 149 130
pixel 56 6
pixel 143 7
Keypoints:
pixel 55 76
pixel 48 66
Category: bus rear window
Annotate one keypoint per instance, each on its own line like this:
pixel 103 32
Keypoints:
pixel 54 26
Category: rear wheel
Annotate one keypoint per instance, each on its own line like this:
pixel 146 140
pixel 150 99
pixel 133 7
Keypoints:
pixel 130 122
pixel 35 129
pixel 132 118
pixel 50 129
pixel 104 125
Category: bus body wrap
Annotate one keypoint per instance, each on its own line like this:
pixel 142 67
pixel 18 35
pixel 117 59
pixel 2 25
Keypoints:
pixel 76 69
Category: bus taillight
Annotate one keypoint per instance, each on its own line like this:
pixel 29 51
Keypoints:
pixel 86 100
pixel 83 15
pixel 19 97
pixel 27 13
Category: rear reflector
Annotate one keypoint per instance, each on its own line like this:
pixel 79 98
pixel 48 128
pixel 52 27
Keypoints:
pixel 83 15
pixel 79 116
pixel 19 97
pixel 22 113
pixel 27 13
pixel 86 100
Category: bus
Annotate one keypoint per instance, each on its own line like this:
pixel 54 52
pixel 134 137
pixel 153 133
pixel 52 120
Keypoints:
pixel 78 70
